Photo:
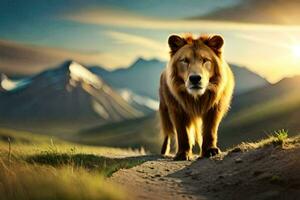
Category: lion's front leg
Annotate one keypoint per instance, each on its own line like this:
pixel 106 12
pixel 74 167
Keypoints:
pixel 184 151
pixel 211 121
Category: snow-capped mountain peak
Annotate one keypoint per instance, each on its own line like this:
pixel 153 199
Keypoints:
pixel 8 84
pixel 133 99
pixel 80 73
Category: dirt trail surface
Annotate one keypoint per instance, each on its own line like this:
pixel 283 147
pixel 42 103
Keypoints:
pixel 249 171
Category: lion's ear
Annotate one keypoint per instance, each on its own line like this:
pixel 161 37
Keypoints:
pixel 175 43
pixel 216 42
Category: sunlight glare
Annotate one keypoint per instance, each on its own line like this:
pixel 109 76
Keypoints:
pixel 296 51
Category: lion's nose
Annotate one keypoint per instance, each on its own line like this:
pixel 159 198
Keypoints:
pixel 195 79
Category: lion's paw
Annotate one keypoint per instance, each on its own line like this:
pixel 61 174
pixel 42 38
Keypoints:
pixel 183 156
pixel 211 152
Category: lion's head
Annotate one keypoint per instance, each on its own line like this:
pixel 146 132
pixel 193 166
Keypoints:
pixel 194 63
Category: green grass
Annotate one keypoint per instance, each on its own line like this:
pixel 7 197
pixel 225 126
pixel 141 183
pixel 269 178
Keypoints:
pixel 275 179
pixel 23 137
pixel 23 181
pixel 138 133
pixel 103 165
pixel 40 167
pixel 277 138
pixel 280 136
pixel 274 107
pixel 29 144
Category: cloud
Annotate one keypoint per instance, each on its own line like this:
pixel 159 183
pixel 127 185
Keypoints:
pixel 265 41
pixel 262 12
pixel 137 46
pixel 17 58
pixel 125 38
pixel 121 18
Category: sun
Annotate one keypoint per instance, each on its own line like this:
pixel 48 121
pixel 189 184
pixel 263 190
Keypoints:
pixel 296 51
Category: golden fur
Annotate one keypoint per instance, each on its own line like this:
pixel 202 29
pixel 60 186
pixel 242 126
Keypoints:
pixel 193 112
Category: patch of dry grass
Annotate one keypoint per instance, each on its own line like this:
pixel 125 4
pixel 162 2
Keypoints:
pixel 20 180
pixel 279 137
pixel 34 167
pixel 25 143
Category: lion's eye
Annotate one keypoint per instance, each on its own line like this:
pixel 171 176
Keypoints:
pixel 185 61
pixel 207 64
pixel 205 60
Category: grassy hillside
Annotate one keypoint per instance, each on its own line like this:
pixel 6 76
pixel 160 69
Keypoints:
pixel 22 181
pixel 40 167
pixel 136 133
pixel 259 112
pixel 44 168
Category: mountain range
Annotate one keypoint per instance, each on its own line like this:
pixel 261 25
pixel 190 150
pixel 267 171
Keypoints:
pixel 65 99
pixel 142 77
pixel 71 97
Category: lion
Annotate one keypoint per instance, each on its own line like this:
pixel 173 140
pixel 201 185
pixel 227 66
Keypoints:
pixel 195 93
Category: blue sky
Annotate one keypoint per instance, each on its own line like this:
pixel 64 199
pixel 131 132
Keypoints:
pixel 43 23
pixel 121 31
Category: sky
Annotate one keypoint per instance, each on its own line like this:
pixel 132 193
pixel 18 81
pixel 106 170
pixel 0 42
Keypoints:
pixel 121 31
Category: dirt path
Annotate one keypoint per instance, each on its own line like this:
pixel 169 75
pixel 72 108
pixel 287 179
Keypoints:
pixel 152 180
pixel 249 172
